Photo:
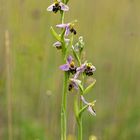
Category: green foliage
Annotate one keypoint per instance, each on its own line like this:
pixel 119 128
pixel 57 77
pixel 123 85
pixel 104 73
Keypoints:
pixel 89 88
pixel 57 37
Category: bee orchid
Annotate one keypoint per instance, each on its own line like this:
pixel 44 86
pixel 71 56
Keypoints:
pixel 90 106
pixel 87 68
pixel 69 66
pixel 58 6
pixel 74 83
pixel 68 28
pixel 58 44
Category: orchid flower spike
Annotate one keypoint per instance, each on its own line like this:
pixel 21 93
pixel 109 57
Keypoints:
pixel 57 6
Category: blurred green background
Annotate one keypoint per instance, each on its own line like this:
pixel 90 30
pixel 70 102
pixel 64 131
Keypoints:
pixel 31 91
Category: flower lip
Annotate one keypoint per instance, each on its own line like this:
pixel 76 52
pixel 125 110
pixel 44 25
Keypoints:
pixel 58 6
pixel 72 64
pixel 72 30
pixel 70 87
pixel 91 110
pixel 89 69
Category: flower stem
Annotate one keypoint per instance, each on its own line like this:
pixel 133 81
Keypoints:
pixel 63 108
pixel 80 128
pixel 79 119
pixel 64 94
pixel 77 108
pixel 62 17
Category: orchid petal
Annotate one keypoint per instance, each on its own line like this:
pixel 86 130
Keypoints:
pixel 91 110
pixel 93 68
pixel 61 25
pixel 64 67
pixel 64 7
pixel 50 8
pixel 81 68
pixel 77 74
pixel 57 44
pixel 75 83
pixel 67 32
pixel 69 59
pixel 84 101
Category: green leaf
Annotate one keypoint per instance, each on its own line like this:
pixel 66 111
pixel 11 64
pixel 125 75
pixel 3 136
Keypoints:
pixel 62 34
pixel 81 88
pixel 55 34
pixel 89 87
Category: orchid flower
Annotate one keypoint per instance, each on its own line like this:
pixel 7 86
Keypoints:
pixel 57 6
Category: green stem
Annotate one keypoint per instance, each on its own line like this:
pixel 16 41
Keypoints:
pixel 64 107
pixel 79 117
pixel 64 94
pixel 62 17
pixel 80 128
pixel 77 107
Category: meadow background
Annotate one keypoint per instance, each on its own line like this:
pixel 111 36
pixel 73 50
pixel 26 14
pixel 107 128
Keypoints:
pixel 31 83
